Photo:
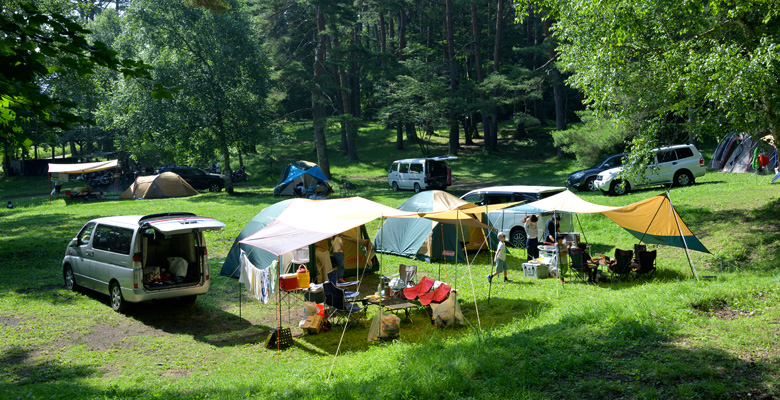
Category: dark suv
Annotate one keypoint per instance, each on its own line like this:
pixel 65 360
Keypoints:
pixel 583 179
pixel 198 178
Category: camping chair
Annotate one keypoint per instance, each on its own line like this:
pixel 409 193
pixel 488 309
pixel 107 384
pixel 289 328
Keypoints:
pixel 637 248
pixel 621 265
pixel 334 279
pixel 341 311
pixel 437 296
pixel 646 265
pixel 423 287
pixel 407 274
pixel 579 268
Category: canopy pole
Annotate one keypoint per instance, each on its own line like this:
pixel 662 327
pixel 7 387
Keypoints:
pixel 685 243
pixel 471 279
pixel 651 221
pixel 490 282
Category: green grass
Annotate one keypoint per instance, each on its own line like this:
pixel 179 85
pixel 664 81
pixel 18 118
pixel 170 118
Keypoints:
pixel 672 337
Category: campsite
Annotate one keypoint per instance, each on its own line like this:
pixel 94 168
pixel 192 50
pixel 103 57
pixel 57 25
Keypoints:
pixel 669 337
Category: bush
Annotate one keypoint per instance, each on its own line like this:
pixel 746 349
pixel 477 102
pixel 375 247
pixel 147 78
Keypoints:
pixel 591 139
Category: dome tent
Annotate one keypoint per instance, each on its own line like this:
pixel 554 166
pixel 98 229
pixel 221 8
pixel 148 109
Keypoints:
pixel 159 186
pixel 304 173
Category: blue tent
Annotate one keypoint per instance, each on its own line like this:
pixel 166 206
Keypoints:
pixel 302 173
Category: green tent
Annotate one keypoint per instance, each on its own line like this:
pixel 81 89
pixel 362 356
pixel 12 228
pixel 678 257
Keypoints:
pixel 425 239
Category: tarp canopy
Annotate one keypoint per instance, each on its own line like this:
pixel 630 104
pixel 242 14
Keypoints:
pixel 305 173
pixel 304 222
pixel 167 184
pixel 653 221
pixel 426 240
pixel 82 168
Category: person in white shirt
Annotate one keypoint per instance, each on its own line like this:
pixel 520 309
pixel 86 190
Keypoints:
pixel 500 259
pixel 532 236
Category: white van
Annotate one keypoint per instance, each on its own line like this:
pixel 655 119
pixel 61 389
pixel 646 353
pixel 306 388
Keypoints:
pixel 510 221
pixel 140 258
pixel 420 174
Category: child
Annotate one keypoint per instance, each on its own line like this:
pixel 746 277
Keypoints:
pixel 500 259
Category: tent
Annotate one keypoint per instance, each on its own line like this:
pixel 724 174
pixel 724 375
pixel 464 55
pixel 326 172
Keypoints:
pixel 739 153
pixel 425 239
pixel 304 173
pixel 354 255
pixel 167 184
pixel 81 168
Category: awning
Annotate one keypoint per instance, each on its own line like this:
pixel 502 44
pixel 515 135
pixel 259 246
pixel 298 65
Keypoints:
pixel 82 168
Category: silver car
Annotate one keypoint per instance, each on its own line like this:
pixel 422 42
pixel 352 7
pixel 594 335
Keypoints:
pixel 140 258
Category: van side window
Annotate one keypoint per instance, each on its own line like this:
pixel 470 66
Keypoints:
pixel 684 152
pixel 86 233
pixel 394 167
pixel 113 239
pixel 404 168
pixel 529 197
pixel 475 198
pixel 416 168
pixel 498 198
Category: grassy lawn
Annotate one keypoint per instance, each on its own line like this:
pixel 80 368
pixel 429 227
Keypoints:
pixel 672 337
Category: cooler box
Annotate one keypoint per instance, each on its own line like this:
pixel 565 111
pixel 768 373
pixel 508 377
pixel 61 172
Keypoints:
pixel 536 271
pixel 288 281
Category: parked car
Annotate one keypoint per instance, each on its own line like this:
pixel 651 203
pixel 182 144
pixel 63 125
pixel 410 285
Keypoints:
pixel 198 178
pixel 511 222
pixel 584 179
pixel 420 174
pixel 140 258
pixel 677 165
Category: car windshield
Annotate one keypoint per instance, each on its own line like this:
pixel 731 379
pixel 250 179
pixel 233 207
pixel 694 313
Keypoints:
pixel 609 162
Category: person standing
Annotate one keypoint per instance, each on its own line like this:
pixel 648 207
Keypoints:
pixel 532 234
pixel 338 254
pixel 551 229
pixel 500 259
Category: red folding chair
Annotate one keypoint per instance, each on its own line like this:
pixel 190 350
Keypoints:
pixel 424 286
pixel 437 296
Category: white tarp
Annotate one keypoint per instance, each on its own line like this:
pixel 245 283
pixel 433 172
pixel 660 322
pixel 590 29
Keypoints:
pixel 82 168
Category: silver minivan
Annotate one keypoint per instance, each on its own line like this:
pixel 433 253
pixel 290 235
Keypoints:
pixel 420 174
pixel 138 258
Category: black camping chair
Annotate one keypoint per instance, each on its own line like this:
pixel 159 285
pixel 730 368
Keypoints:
pixel 621 266
pixel 333 278
pixel 341 311
pixel 637 248
pixel 579 269
pixel 645 268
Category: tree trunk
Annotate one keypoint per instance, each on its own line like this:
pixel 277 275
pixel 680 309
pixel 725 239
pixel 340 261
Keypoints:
pixel 480 77
pixel 317 98
pixel 223 147
pixel 401 35
pixel 454 142
pixel 559 90
pixel 496 70
pixel 399 136
pixel 411 133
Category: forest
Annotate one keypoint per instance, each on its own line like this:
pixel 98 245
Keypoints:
pixel 197 81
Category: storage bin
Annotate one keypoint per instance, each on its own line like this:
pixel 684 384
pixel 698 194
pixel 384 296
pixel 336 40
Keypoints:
pixel 536 271
pixel 288 281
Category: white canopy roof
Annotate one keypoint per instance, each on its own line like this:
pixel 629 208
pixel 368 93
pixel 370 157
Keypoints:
pixel 82 167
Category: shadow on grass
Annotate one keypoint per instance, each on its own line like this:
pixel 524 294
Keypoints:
pixel 625 358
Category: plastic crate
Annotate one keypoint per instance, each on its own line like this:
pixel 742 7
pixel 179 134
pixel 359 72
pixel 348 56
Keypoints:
pixel 536 271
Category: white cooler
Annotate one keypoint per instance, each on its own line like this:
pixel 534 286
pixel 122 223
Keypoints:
pixel 536 270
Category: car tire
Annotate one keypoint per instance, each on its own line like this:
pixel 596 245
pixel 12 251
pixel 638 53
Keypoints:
pixel 417 188
pixel 616 189
pixel 69 278
pixel 590 184
pixel 215 187
pixel 118 302
pixel 395 186
pixel 517 238
pixel 683 178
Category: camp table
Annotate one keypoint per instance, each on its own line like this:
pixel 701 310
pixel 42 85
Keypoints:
pixel 392 304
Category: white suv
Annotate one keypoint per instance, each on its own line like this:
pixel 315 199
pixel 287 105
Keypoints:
pixel 139 258
pixel 677 165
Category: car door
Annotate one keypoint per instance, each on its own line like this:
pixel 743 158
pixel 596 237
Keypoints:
pixel 663 171
pixel 403 176
pixel 417 174
pixel 392 174
pixel 81 255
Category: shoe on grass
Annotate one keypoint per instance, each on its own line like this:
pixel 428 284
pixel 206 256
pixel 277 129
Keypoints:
pixel 507 280
pixel 490 278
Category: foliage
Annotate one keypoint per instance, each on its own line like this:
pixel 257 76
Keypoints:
pixel 591 139
pixel 35 45
pixel 705 67
pixel 219 73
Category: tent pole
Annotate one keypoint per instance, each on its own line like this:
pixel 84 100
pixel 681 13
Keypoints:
pixel 685 243
pixel 651 222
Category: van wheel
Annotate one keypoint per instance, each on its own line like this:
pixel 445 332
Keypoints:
pixel 417 188
pixel 215 187
pixel 118 302
pixel 69 278
pixel 395 186
pixel 616 189
pixel 518 238
pixel 683 178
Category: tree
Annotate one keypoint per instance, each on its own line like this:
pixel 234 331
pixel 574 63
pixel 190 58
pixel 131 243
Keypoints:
pixel 654 64
pixel 219 71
